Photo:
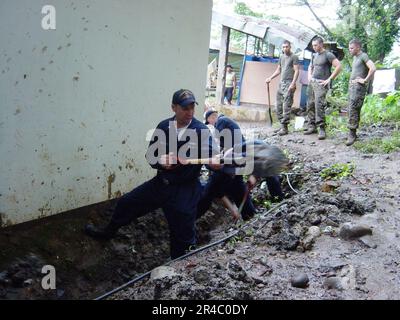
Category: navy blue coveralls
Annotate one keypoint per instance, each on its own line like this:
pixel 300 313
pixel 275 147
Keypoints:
pixel 221 183
pixel 176 191
pixel 233 186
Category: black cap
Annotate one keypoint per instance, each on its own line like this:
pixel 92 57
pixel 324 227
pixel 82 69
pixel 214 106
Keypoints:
pixel 183 97
pixel 207 114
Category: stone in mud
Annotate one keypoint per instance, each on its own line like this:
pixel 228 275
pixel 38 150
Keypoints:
pixel 350 232
pixel 300 280
pixel 333 283
pixel 330 186
pixel 312 234
pixel 201 275
pixel 162 272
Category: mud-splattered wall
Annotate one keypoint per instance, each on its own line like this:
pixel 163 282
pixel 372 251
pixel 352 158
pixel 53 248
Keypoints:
pixel 76 102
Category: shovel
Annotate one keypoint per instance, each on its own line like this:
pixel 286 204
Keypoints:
pixel 269 107
pixel 260 159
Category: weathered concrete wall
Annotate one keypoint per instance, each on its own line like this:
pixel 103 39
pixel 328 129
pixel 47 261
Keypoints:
pixel 76 102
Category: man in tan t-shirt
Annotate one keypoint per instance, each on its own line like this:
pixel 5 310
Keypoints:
pixel 362 71
pixel 288 68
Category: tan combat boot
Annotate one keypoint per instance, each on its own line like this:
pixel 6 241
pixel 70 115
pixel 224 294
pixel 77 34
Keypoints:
pixel 284 130
pixel 352 137
pixel 310 130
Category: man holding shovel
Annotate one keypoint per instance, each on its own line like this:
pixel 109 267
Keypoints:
pixel 176 188
pixel 288 68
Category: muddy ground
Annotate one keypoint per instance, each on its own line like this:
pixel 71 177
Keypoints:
pixel 305 238
pixel 304 249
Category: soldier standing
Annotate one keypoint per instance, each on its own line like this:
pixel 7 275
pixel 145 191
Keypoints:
pixel 320 77
pixel 288 67
pixel 363 70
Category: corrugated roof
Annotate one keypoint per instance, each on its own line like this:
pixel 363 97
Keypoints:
pixel 271 32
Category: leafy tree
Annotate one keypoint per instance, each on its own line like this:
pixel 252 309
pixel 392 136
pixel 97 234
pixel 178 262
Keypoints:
pixel 374 22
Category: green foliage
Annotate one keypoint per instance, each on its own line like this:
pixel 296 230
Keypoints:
pixel 242 9
pixel 379 145
pixel 341 83
pixel 335 123
pixel 338 171
pixel 379 110
pixel 375 23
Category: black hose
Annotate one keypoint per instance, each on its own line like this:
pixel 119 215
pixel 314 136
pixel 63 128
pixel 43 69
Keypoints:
pixel 190 253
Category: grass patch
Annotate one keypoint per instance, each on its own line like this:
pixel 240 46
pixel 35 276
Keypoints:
pixel 380 110
pixel 380 145
pixel 338 171
pixel 335 123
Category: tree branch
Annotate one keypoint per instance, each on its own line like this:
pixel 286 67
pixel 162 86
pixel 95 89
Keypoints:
pixel 307 4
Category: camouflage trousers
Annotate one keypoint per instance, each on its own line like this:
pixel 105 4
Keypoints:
pixel 284 102
pixel 316 104
pixel 357 93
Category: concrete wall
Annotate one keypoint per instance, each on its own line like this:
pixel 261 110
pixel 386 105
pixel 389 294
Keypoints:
pixel 76 102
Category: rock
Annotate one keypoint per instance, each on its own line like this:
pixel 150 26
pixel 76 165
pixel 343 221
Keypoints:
pixel 314 219
pixel 369 243
pixel 331 223
pixel 314 231
pixel 300 280
pixel 264 261
pixel 201 275
pixel 333 283
pixel 349 231
pixel 328 230
pixel 330 186
pixel 312 234
pixel 162 272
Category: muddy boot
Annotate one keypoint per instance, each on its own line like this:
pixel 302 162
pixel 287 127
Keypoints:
pixel 351 138
pixel 322 133
pixel 310 130
pixel 284 130
pixel 105 233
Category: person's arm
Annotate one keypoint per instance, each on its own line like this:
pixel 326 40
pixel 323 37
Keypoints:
pixel 338 67
pixel 231 207
pixel 274 75
pixel 372 68
pixel 310 71
pixel 296 68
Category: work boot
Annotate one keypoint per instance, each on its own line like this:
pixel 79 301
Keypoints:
pixel 284 130
pixel 322 133
pixel 310 130
pixel 351 138
pixel 105 233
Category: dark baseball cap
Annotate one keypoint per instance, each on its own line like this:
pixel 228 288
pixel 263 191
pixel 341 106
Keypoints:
pixel 183 97
pixel 207 114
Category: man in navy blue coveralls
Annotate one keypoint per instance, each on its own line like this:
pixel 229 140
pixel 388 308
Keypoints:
pixel 176 187
pixel 222 183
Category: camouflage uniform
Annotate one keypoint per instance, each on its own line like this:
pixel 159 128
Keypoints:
pixel 284 102
pixel 357 91
pixel 316 104
pixel 284 97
